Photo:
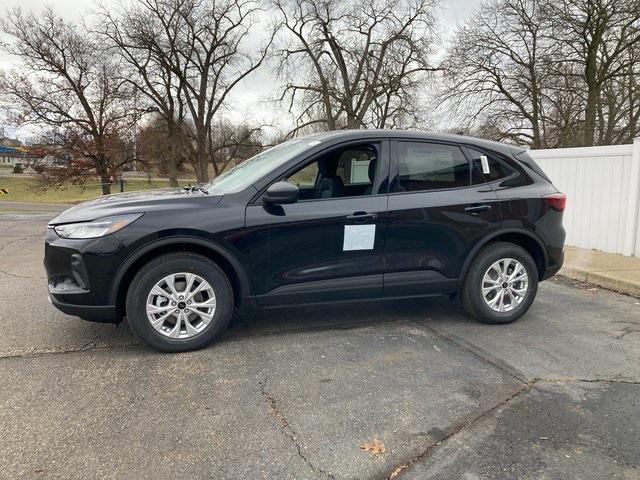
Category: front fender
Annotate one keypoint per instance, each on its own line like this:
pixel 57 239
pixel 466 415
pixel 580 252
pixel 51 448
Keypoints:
pixel 213 246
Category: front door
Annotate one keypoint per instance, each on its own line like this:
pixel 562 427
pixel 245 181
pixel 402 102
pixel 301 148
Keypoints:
pixel 436 214
pixel 328 246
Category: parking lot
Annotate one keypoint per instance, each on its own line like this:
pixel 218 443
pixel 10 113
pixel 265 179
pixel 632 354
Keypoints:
pixel 295 392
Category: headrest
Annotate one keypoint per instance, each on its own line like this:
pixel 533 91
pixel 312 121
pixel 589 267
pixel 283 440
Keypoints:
pixel 372 169
pixel 327 168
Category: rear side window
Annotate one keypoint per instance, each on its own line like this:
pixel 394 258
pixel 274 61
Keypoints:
pixel 497 168
pixel 431 166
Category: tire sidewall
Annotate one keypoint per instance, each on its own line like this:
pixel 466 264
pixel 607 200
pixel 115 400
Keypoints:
pixel 476 302
pixel 159 268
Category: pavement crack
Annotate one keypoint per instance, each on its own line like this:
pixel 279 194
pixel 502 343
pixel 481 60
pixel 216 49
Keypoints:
pixel 626 331
pixel 472 350
pixel 19 276
pixel 90 346
pixel 400 469
pixel 585 380
pixel 22 239
pixel 525 387
pixel 286 428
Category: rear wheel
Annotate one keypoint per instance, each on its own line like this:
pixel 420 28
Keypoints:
pixel 501 283
pixel 179 302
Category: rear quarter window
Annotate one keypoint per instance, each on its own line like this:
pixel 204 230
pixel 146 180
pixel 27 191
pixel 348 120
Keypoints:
pixel 498 169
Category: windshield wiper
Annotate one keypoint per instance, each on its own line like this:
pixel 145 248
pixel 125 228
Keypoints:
pixel 196 188
pixel 200 189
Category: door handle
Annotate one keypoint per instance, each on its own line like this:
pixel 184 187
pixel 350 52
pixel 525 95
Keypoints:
pixel 476 209
pixel 361 217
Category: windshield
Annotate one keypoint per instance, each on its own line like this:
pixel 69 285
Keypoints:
pixel 249 171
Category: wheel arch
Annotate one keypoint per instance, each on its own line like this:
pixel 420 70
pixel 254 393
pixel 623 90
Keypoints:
pixel 218 254
pixel 523 238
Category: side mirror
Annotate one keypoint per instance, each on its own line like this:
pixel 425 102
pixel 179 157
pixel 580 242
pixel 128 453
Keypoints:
pixel 281 193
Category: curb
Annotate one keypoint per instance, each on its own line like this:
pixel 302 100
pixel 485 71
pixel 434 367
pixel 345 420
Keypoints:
pixel 608 280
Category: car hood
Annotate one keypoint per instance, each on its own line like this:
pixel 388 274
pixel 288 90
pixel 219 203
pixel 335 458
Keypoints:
pixel 134 202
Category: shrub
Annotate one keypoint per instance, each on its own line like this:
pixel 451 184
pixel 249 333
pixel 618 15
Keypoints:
pixel 18 168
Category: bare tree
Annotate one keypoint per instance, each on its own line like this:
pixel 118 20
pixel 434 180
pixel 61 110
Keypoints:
pixel 549 73
pixel 497 68
pixel 161 151
pixel 598 36
pixel 349 66
pixel 211 60
pixel 231 143
pixel 564 109
pixel 146 34
pixel 65 82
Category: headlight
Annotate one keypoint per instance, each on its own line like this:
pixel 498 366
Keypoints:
pixel 97 228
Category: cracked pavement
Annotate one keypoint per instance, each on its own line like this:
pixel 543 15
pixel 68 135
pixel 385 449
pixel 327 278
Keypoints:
pixel 293 393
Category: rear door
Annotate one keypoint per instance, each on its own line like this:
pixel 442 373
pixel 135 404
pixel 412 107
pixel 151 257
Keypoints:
pixel 435 217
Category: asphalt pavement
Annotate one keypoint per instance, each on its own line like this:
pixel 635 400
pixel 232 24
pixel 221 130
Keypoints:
pixel 294 393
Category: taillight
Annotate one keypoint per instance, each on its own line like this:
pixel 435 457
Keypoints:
pixel 557 201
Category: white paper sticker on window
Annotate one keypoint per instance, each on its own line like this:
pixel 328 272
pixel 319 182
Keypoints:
pixel 359 237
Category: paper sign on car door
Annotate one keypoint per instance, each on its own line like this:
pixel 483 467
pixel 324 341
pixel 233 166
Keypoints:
pixel 359 237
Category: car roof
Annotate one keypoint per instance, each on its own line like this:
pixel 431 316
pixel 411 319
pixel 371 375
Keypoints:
pixel 347 135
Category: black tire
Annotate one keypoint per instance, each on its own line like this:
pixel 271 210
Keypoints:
pixel 471 293
pixel 156 270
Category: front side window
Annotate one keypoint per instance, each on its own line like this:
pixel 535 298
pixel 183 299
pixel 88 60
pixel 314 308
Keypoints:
pixel 306 177
pixel 343 172
pixel 431 166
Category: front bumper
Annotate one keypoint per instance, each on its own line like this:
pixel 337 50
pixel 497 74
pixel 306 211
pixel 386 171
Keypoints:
pixel 91 313
pixel 79 274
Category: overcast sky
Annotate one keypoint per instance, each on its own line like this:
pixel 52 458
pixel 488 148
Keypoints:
pixel 247 101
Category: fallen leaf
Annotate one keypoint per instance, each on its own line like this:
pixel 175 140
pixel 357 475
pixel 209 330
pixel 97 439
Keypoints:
pixel 375 447
pixel 397 471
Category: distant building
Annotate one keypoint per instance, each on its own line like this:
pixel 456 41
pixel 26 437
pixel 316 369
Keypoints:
pixel 13 151
pixel 10 155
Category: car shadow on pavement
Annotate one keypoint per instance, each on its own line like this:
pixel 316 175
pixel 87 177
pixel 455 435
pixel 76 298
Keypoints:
pixel 254 321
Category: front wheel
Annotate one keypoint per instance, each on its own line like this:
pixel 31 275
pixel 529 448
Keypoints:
pixel 501 283
pixel 179 302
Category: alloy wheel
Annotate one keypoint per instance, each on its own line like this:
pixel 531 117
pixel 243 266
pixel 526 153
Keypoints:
pixel 181 305
pixel 505 285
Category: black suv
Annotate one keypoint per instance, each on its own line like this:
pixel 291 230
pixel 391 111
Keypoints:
pixel 349 215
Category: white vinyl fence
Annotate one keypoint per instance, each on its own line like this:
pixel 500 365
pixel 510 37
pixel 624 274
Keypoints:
pixel 603 194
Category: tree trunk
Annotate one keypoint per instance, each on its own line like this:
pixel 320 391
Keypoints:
pixel 590 117
pixel 201 163
pixel 172 162
pixel 590 77
pixel 102 168
pixel 105 180
pixel 535 121
pixel 537 141
pixel 172 172
pixel 352 121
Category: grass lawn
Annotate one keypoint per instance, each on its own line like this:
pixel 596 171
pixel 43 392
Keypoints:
pixel 27 189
